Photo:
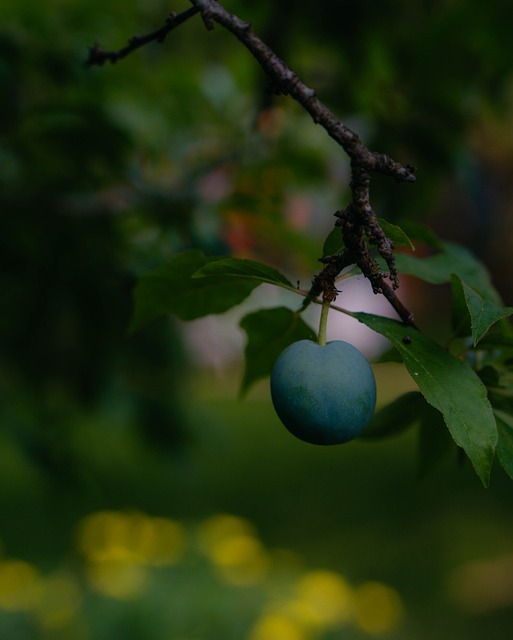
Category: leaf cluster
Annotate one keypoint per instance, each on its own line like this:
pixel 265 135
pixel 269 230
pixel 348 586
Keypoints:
pixel 466 385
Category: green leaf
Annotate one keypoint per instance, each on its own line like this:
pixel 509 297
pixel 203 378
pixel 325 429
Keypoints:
pixel 460 316
pixel 396 234
pixel 239 269
pixel 395 417
pixel 390 355
pixel 421 233
pixel 171 290
pixel 449 385
pixel 269 332
pixel 505 444
pixel 334 243
pixel 453 259
pixel 483 313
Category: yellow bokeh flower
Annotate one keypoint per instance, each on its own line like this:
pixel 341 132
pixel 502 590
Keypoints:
pixel 232 546
pixel 19 585
pixel 277 627
pixel 325 597
pixel 120 546
pixel 220 527
pixel 378 607
pixel 117 574
pixel 157 541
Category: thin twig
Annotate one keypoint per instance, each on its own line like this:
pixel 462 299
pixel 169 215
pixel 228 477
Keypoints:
pixel 97 56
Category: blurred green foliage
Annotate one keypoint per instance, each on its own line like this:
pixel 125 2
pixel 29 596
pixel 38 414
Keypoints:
pixel 106 173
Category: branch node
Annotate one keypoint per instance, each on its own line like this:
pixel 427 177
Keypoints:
pixel 208 21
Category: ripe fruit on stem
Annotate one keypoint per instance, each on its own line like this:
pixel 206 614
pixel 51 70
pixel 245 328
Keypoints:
pixel 323 393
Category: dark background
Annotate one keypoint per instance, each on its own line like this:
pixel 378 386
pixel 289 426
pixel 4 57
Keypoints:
pixel 106 172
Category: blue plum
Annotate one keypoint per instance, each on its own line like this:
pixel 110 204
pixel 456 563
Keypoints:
pixel 323 394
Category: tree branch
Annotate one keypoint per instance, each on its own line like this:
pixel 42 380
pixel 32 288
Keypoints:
pixel 359 223
pixel 286 82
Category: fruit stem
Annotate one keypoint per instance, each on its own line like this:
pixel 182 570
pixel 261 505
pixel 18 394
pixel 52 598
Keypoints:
pixel 323 323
